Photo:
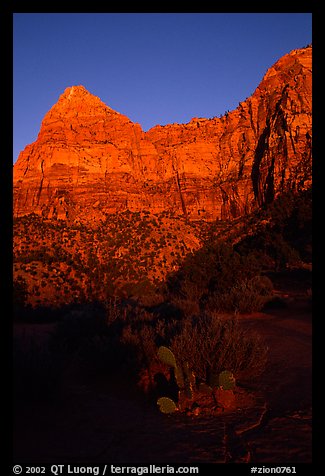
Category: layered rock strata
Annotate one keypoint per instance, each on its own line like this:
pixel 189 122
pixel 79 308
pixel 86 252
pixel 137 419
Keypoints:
pixel 90 160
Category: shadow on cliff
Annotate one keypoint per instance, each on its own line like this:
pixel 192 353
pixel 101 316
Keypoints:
pixel 268 250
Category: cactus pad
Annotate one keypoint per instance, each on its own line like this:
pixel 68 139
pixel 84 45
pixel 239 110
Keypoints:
pixel 226 380
pixel 166 405
pixel 167 356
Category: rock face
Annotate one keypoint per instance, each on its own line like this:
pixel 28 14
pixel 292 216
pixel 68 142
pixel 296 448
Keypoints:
pixel 89 160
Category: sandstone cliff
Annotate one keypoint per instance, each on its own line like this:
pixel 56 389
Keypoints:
pixel 89 160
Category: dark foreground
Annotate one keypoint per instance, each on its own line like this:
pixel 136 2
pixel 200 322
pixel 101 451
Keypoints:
pixel 96 423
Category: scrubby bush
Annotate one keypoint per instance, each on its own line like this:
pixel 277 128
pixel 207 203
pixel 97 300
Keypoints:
pixel 282 232
pixel 210 343
pixel 142 339
pixel 262 285
pixel 217 278
pixel 214 267
pixel 248 295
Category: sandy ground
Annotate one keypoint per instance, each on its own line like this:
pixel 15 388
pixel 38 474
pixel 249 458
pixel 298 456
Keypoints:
pixel 286 434
pixel 93 424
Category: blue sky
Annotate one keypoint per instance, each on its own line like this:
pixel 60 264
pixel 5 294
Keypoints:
pixel 156 68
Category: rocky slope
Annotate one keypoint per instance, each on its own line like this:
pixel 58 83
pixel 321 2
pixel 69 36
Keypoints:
pixel 90 160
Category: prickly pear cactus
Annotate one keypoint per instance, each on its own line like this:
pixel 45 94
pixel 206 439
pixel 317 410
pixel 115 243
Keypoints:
pixel 227 380
pixel 167 356
pixel 166 405
pixel 226 399
pixel 185 378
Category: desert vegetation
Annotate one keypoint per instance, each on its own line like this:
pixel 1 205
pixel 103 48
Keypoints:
pixel 119 314
pixel 129 254
pixel 149 307
pixel 153 258
pixel 120 341
pixel 139 281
